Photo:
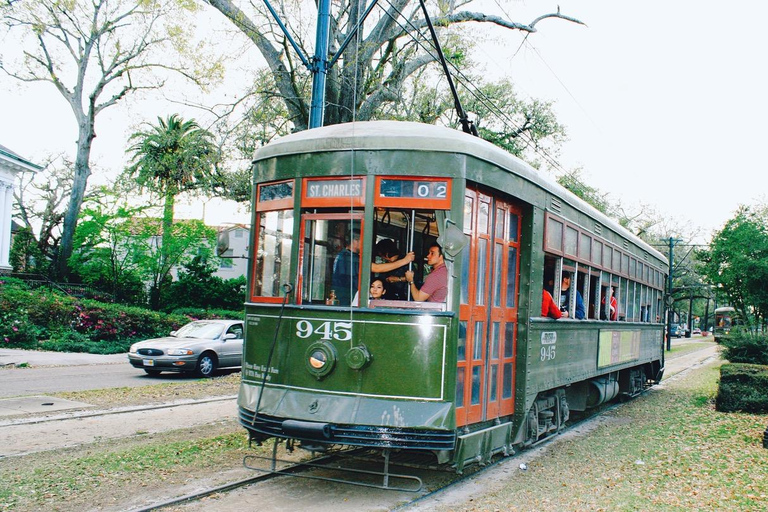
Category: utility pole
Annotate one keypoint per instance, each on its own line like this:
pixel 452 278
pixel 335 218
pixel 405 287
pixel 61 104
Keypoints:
pixel 670 301
pixel 319 66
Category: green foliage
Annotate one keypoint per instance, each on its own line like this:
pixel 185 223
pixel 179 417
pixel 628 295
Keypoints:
pixel 743 387
pixel 106 256
pixel 17 331
pixel 746 348
pixel 197 287
pixel 208 314
pixel 172 157
pixel 73 341
pixel 47 320
pixel 26 255
pixel 574 182
pixel 737 262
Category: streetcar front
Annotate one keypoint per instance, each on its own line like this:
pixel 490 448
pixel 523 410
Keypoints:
pixel 338 350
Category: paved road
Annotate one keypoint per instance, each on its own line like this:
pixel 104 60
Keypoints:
pixel 50 372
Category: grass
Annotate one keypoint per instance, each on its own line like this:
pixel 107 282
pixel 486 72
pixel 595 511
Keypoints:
pixel 109 473
pixel 669 450
pixel 157 393
pixel 681 348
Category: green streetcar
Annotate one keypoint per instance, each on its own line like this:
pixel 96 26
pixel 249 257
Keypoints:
pixel 476 374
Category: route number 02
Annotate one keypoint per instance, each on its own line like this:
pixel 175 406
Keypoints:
pixel 426 190
pixel 339 331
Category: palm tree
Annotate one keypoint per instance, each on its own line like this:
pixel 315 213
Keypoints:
pixel 169 158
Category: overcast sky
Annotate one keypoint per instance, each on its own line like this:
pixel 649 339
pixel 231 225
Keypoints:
pixel 664 101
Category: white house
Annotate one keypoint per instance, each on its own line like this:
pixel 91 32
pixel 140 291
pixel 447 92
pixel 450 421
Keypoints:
pixel 234 262
pixel 10 165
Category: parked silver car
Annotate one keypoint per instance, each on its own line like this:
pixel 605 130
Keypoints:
pixel 200 347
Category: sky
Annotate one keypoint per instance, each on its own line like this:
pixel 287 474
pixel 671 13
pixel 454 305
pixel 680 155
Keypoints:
pixel 665 103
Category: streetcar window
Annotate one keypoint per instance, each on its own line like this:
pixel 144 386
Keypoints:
pixel 498 258
pixel 554 235
pixel 585 247
pixel 272 261
pixel 511 276
pixel 404 231
pixel 571 241
pixel 514 220
pixel 331 259
pixel 482 270
pixel 465 276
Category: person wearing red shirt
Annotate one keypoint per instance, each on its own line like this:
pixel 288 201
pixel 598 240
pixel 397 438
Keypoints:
pixel 549 308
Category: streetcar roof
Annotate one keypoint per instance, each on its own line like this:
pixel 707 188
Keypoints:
pixel 410 136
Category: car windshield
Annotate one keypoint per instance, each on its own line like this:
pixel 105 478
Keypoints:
pixel 201 330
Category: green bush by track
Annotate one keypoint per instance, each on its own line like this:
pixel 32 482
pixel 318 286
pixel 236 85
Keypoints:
pixel 743 388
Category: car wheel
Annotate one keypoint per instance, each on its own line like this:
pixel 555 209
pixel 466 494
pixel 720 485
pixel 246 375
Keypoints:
pixel 152 373
pixel 206 365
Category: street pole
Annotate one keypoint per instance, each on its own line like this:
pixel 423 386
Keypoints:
pixel 669 295
pixel 320 64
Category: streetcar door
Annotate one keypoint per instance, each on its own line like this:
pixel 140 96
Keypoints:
pixel 488 311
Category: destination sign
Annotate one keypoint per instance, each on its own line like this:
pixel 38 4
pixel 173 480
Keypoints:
pixel 329 189
pixel 413 189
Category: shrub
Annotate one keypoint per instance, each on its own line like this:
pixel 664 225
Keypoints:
pixel 16 330
pixel 44 318
pixel 746 348
pixel 743 387
pixel 73 341
pixel 207 314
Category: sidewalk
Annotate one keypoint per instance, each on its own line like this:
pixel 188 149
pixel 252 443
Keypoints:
pixel 10 356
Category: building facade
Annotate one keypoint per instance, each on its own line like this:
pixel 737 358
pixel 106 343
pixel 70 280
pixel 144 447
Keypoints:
pixel 11 165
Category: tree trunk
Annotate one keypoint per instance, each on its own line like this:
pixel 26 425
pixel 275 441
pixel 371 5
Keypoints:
pixel 79 184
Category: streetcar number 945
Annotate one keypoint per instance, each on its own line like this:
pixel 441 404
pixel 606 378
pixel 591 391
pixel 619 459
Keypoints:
pixel 339 331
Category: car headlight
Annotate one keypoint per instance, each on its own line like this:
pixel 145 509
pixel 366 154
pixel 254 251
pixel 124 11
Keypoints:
pixel 133 349
pixel 180 352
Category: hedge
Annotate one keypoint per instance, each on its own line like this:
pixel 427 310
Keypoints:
pixel 743 387
pixel 45 319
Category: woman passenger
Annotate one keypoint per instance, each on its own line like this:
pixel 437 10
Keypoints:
pixel 378 289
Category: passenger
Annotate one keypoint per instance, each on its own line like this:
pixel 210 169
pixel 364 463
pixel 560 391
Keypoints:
pixel 435 288
pixel 378 289
pixel 612 305
pixel 346 268
pixel 565 297
pixel 549 308
pixel 393 269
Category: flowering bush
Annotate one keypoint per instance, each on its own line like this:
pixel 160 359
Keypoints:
pixel 16 331
pixel 46 319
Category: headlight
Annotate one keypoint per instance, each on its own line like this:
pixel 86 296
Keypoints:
pixel 180 352
pixel 133 349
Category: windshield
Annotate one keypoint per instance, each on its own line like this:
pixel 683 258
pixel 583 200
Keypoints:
pixel 206 330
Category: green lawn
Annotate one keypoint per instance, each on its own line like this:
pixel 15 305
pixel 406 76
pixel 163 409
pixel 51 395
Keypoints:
pixel 669 450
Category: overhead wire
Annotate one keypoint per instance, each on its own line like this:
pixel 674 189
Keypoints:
pixel 469 86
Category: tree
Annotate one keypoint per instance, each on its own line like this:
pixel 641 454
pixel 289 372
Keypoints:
pixel 95 53
pixel 40 202
pixel 189 238
pixel 106 256
pixel 377 74
pixel 736 262
pixel 172 157
pixel 197 287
